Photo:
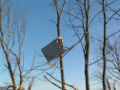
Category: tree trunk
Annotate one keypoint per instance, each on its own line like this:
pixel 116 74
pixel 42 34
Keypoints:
pixel 6 53
pixel 87 61
pixel 104 49
pixel 87 44
pixel 61 58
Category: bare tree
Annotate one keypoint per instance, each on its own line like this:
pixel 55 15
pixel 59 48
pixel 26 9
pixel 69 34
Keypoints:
pixel 59 11
pixel 83 17
pixel 59 14
pixel 6 48
pixel 113 63
pixel 12 35
pixel 113 59
pixel 106 19
pixel 83 9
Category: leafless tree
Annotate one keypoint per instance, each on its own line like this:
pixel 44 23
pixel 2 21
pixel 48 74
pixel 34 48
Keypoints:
pixel 82 17
pixel 5 45
pixel 59 11
pixel 59 14
pixel 12 35
pixel 113 58
pixel 106 19
pixel 112 66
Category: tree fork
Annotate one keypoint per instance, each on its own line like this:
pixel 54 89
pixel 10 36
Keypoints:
pixel 60 41
pixel 6 54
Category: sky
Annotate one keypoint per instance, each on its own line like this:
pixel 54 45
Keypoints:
pixel 40 30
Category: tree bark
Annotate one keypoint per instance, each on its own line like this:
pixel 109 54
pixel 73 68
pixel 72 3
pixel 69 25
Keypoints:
pixel 87 45
pixel 60 41
pixel 104 48
pixel 61 58
pixel 9 66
